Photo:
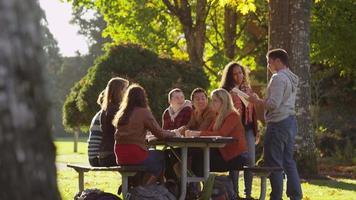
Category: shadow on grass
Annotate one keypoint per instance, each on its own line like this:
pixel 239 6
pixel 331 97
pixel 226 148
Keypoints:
pixel 336 184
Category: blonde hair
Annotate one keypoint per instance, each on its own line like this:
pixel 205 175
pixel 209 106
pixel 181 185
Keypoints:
pixel 226 107
pixel 114 92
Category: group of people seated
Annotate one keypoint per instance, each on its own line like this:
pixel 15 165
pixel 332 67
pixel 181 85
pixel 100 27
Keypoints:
pixel 118 131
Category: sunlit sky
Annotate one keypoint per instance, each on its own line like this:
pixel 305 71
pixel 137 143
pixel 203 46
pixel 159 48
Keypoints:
pixel 58 16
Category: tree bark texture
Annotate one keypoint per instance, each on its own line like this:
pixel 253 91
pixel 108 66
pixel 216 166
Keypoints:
pixel 300 64
pixel 278 29
pixel 194 32
pixel 27 161
pixel 289 28
pixel 230 22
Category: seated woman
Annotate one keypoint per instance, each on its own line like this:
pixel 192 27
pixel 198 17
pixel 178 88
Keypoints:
pixel 227 123
pixel 132 122
pixel 202 114
pixel 111 101
pixel 95 135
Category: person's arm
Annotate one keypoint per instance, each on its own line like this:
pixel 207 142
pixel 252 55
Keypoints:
pixel 208 119
pixel 276 91
pixel 186 115
pixel 152 125
pixel 230 123
pixel 236 100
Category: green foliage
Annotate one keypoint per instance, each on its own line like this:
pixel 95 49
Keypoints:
pixel 150 24
pixel 333 38
pixel 157 75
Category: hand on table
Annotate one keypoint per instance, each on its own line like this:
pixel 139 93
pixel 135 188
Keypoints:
pixel 190 133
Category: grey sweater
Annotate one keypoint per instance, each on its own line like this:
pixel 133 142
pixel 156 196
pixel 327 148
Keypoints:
pixel 281 95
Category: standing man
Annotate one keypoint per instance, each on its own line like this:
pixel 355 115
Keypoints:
pixel 281 125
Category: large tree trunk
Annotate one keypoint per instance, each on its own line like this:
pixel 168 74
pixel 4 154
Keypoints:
pixel 289 29
pixel 300 64
pixel 278 29
pixel 230 22
pixel 27 161
pixel 194 32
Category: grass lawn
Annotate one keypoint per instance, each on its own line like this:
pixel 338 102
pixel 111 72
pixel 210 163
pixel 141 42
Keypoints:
pixel 332 189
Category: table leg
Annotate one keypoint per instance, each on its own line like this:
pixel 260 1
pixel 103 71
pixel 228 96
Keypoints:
pixel 183 187
pixel 206 163
pixel 263 187
pixel 81 180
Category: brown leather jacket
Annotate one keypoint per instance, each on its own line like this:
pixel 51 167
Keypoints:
pixel 140 121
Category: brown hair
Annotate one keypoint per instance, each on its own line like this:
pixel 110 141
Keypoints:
pixel 135 96
pixel 281 54
pixel 114 91
pixel 227 79
pixel 198 90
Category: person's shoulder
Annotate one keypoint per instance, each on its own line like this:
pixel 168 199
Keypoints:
pixel 233 115
pixel 165 112
pixel 142 110
pixel 279 77
pixel 209 112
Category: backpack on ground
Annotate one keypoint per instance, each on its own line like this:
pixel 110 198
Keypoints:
pixel 95 194
pixel 150 192
pixel 222 188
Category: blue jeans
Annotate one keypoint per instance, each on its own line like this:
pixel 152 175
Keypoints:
pixel 154 163
pixel 250 139
pixel 278 152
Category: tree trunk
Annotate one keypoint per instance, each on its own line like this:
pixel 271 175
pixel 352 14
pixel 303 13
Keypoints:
pixel 289 29
pixel 278 29
pixel 194 32
pixel 27 161
pixel 230 22
pixel 300 64
pixel 76 137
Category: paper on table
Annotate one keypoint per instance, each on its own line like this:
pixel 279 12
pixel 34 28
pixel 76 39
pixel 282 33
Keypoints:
pixel 243 96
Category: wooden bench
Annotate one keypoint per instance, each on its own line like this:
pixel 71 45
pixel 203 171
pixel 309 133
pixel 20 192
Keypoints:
pixel 262 172
pixel 124 170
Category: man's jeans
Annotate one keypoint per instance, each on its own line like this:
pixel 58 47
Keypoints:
pixel 278 152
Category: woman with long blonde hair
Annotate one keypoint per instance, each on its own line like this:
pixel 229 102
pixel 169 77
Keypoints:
pixel 227 123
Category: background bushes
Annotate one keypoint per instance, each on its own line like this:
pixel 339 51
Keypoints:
pixel 157 75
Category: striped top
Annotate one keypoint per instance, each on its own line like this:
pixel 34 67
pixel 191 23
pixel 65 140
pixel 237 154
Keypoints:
pixel 95 136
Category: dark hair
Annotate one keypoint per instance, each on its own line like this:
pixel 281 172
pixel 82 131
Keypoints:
pixel 135 96
pixel 281 54
pixel 113 92
pixel 173 91
pixel 227 79
pixel 198 90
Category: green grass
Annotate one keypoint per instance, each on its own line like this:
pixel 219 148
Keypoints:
pixel 109 181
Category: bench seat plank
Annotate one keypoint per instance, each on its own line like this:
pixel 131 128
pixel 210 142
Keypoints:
pixel 124 170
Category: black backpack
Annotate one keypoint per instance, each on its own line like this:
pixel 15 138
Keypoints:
pixel 223 188
pixel 150 192
pixel 95 194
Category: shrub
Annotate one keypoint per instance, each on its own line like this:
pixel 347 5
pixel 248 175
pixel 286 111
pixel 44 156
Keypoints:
pixel 157 75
